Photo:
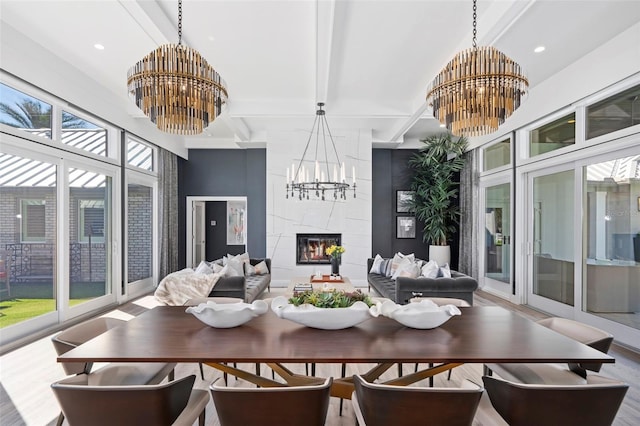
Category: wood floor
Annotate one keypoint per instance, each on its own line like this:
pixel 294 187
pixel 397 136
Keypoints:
pixel 26 374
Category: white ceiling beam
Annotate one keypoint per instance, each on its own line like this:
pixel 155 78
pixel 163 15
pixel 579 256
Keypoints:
pixel 325 14
pixel 237 125
pixel 151 20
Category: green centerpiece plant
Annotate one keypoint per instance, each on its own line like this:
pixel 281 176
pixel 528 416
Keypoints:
pixel 330 298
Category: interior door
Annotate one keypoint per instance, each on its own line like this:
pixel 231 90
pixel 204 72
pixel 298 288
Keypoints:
pixel 199 240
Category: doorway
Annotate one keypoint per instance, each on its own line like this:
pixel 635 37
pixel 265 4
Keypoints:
pixel 216 226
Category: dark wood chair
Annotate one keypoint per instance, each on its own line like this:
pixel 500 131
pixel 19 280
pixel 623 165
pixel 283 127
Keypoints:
pixel 383 405
pixel 282 406
pixel 171 403
pixel 557 374
pixel 518 404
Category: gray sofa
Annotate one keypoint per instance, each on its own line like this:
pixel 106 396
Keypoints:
pixel 247 288
pixel 459 286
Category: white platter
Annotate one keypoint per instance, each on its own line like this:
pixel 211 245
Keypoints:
pixel 227 315
pixel 423 315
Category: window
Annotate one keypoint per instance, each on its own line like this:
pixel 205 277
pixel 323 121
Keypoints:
pixel 91 221
pixel 614 113
pixel 33 216
pixel 555 135
pixel 140 155
pixel 497 155
pixel 83 134
pixel 24 112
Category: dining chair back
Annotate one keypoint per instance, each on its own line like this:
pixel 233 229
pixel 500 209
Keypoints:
pixel 78 334
pixel 171 403
pixel 593 404
pixel 282 406
pixel 557 374
pixel 583 333
pixel 378 405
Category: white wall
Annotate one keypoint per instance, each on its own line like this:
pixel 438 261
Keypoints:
pixel 610 63
pixel 287 217
pixel 29 61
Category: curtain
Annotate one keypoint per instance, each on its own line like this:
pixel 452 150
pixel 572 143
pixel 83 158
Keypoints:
pixel 168 217
pixel 468 252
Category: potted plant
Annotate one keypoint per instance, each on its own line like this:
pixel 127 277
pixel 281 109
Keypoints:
pixel 435 189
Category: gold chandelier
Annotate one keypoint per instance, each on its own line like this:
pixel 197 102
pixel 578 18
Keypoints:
pixel 176 88
pixel 477 90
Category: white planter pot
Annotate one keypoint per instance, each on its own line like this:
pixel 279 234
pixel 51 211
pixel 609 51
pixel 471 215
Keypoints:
pixel 322 318
pixel 441 254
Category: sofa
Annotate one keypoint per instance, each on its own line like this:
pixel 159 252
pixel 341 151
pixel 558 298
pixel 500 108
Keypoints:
pixel 247 288
pixel 401 290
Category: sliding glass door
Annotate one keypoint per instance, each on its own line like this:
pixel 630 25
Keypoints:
pixel 551 253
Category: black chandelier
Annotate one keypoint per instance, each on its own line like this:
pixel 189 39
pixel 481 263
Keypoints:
pixel 328 177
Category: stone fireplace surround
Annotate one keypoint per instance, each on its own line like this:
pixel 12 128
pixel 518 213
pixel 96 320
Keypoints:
pixel 288 217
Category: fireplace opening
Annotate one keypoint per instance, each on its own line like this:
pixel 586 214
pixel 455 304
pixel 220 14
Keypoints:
pixel 311 248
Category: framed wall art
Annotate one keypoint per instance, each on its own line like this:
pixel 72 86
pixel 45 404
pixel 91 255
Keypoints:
pixel 403 201
pixel 406 227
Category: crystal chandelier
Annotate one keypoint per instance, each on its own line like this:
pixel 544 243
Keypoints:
pixel 328 177
pixel 477 90
pixel 176 88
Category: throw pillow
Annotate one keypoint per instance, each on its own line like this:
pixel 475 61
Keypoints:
pixel 236 267
pixel 397 258
pixel 217 268
pixel 203 268
pixel 259 269
pixel 444 271
pixel 383 267
pixel 430 269
pixel 404 262
pixel 408 269
pixel 375 267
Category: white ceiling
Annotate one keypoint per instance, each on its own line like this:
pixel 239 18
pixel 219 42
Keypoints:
pixel 370 61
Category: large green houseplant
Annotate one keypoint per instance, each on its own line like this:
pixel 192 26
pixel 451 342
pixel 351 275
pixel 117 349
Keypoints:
pixel 435 189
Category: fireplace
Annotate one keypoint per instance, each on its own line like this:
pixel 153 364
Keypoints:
pixel 311 248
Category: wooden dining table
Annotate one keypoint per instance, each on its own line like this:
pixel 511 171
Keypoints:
pixel 485 334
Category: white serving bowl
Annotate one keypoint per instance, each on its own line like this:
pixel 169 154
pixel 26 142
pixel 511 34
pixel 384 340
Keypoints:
pixel 423 315
pixel 322 318
pixel 227 315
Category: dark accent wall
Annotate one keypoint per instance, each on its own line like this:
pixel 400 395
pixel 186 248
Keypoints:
pixel 226 172
pixel 390 174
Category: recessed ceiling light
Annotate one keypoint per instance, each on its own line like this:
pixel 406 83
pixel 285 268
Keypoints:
pixel 98 46
pixel 539 49
pixel 211 38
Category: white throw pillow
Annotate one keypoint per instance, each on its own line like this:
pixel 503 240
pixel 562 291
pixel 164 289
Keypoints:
pixel 203 268
pixel 217 268
pixel 430 269
pixel 409 270
pixel 259 269
pixel 375 268
pixel 402 264
pixel 397 258
pixel 236 267
pixel 444 271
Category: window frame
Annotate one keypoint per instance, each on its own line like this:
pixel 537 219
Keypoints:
pixel 24 220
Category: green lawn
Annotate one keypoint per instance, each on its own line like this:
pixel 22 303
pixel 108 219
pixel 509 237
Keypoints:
pixel 13 311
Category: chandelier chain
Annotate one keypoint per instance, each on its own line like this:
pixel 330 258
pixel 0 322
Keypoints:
pixel 179 22
pixel 475 31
